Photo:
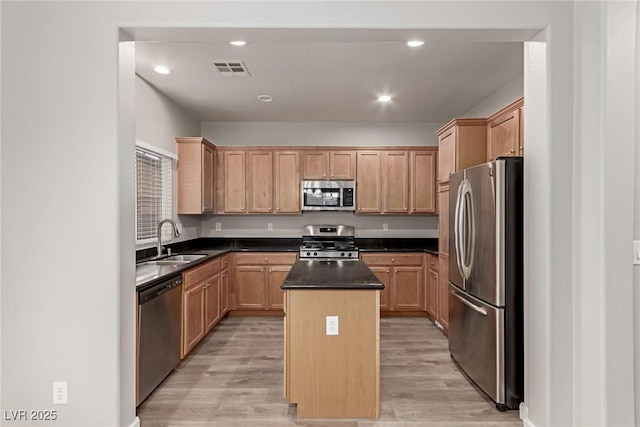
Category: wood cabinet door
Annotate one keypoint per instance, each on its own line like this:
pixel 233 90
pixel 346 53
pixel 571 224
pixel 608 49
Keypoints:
pixel 521 132
pixel 447 143
pixel 287 182
pixel 369 182
pixel 315 164
pixel 443 219
pixel 260 181
pixel 224 292
pixel 384 275
pixel 395 178
pixel 275 277
pixel 422 176
pixel 234 182
pixel 212 302
pixel 443 292
pixel 250 287
pixel 342 164
pixel 503 136
pixel 406 293
pixel 207 179
pixel 193 327
pixel 431 297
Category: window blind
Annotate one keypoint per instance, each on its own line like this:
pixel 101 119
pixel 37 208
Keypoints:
pixel 153 195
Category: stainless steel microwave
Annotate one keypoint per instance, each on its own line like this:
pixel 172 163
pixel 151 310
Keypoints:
pixel 328 196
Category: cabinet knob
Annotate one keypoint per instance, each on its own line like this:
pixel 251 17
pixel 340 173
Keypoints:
pixel 324 175
pixel 266 259
pixel 270 270
pixel 242 209
pixel 278 208
pixel 269 209
pixel 393 260
pixel 387 270
pixel 332 176
pixel 512 151
pixel 261 270
pixel 405 209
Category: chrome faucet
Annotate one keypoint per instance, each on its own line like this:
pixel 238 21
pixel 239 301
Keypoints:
pixel 176 233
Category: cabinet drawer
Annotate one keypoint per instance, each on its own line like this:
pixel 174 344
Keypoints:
pixel 266 258
pixel 199 273
pixel 432 262
pixel 394 258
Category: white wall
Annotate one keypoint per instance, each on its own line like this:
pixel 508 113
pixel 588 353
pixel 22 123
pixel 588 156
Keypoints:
pixel 159 120
pixel 499 99
pixel 59 70
pixel 291 225
pixel 340 134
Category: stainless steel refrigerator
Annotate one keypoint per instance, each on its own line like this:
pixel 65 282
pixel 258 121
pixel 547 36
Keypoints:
pixel 485 278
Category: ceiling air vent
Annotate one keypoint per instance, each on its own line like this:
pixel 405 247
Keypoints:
pixel 231 68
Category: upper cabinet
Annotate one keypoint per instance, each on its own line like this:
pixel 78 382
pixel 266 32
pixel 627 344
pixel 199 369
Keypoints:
pixel 462 143
pixel 195 175
pixel 258 181
pixel 396 182
pixel 422 175
pixel 505 132
pixel 329 165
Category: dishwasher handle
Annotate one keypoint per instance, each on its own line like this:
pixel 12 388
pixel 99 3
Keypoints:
pixel 159 289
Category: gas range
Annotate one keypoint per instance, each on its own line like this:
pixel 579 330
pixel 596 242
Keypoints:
pixel 328 242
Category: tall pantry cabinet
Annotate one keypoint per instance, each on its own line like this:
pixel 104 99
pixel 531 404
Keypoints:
pixel 462 143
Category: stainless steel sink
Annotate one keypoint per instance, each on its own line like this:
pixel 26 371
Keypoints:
pixel 174 260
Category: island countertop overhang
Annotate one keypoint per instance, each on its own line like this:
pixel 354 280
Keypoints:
pixel 331 274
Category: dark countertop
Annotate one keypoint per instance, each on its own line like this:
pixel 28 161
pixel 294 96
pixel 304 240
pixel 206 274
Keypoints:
pixel 315 274
pixel 147 276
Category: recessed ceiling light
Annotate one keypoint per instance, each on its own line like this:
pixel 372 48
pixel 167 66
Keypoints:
pixel 384 98
pixel 265 98
pixel 415 43
pixel 161 69
pixel 238 42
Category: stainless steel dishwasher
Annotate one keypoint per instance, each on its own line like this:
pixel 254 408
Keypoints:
pixel 158 334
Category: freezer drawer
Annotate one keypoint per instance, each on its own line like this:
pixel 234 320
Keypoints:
pixel 476 342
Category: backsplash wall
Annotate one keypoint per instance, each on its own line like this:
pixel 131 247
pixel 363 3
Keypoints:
pixel 291 225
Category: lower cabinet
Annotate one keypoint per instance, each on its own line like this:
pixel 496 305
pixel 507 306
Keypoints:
pixel 224 290
pixel 258 279
pixel 203 293
pixel 443 292
pixel 402 274
pixel 431 289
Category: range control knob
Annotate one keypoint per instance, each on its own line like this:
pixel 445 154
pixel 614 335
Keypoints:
pixel 342 254
pixel 308 253
pixel 349 254
pixel 315 254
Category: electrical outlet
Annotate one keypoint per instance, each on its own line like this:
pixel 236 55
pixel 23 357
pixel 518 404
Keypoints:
pixel 218 226
pixel 332 325
pixel 60 393
pixel 385 226
pixel 270 226
pixel 179 228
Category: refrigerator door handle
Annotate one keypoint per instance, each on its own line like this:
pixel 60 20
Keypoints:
pixel 457 241
pixel 468 304
pixel 465 229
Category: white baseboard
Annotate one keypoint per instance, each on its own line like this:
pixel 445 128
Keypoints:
pixel 135 423
pixel 524 416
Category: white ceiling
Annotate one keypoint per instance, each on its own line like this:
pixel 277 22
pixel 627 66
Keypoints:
pixel 330 75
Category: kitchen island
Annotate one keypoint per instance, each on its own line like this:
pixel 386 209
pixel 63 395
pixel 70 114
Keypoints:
pixel 337 375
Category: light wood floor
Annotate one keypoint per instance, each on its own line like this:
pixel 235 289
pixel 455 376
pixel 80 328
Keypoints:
pixel 234 378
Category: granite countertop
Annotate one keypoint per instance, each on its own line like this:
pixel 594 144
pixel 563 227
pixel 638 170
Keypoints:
pixel 149 275
pixel 338 274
